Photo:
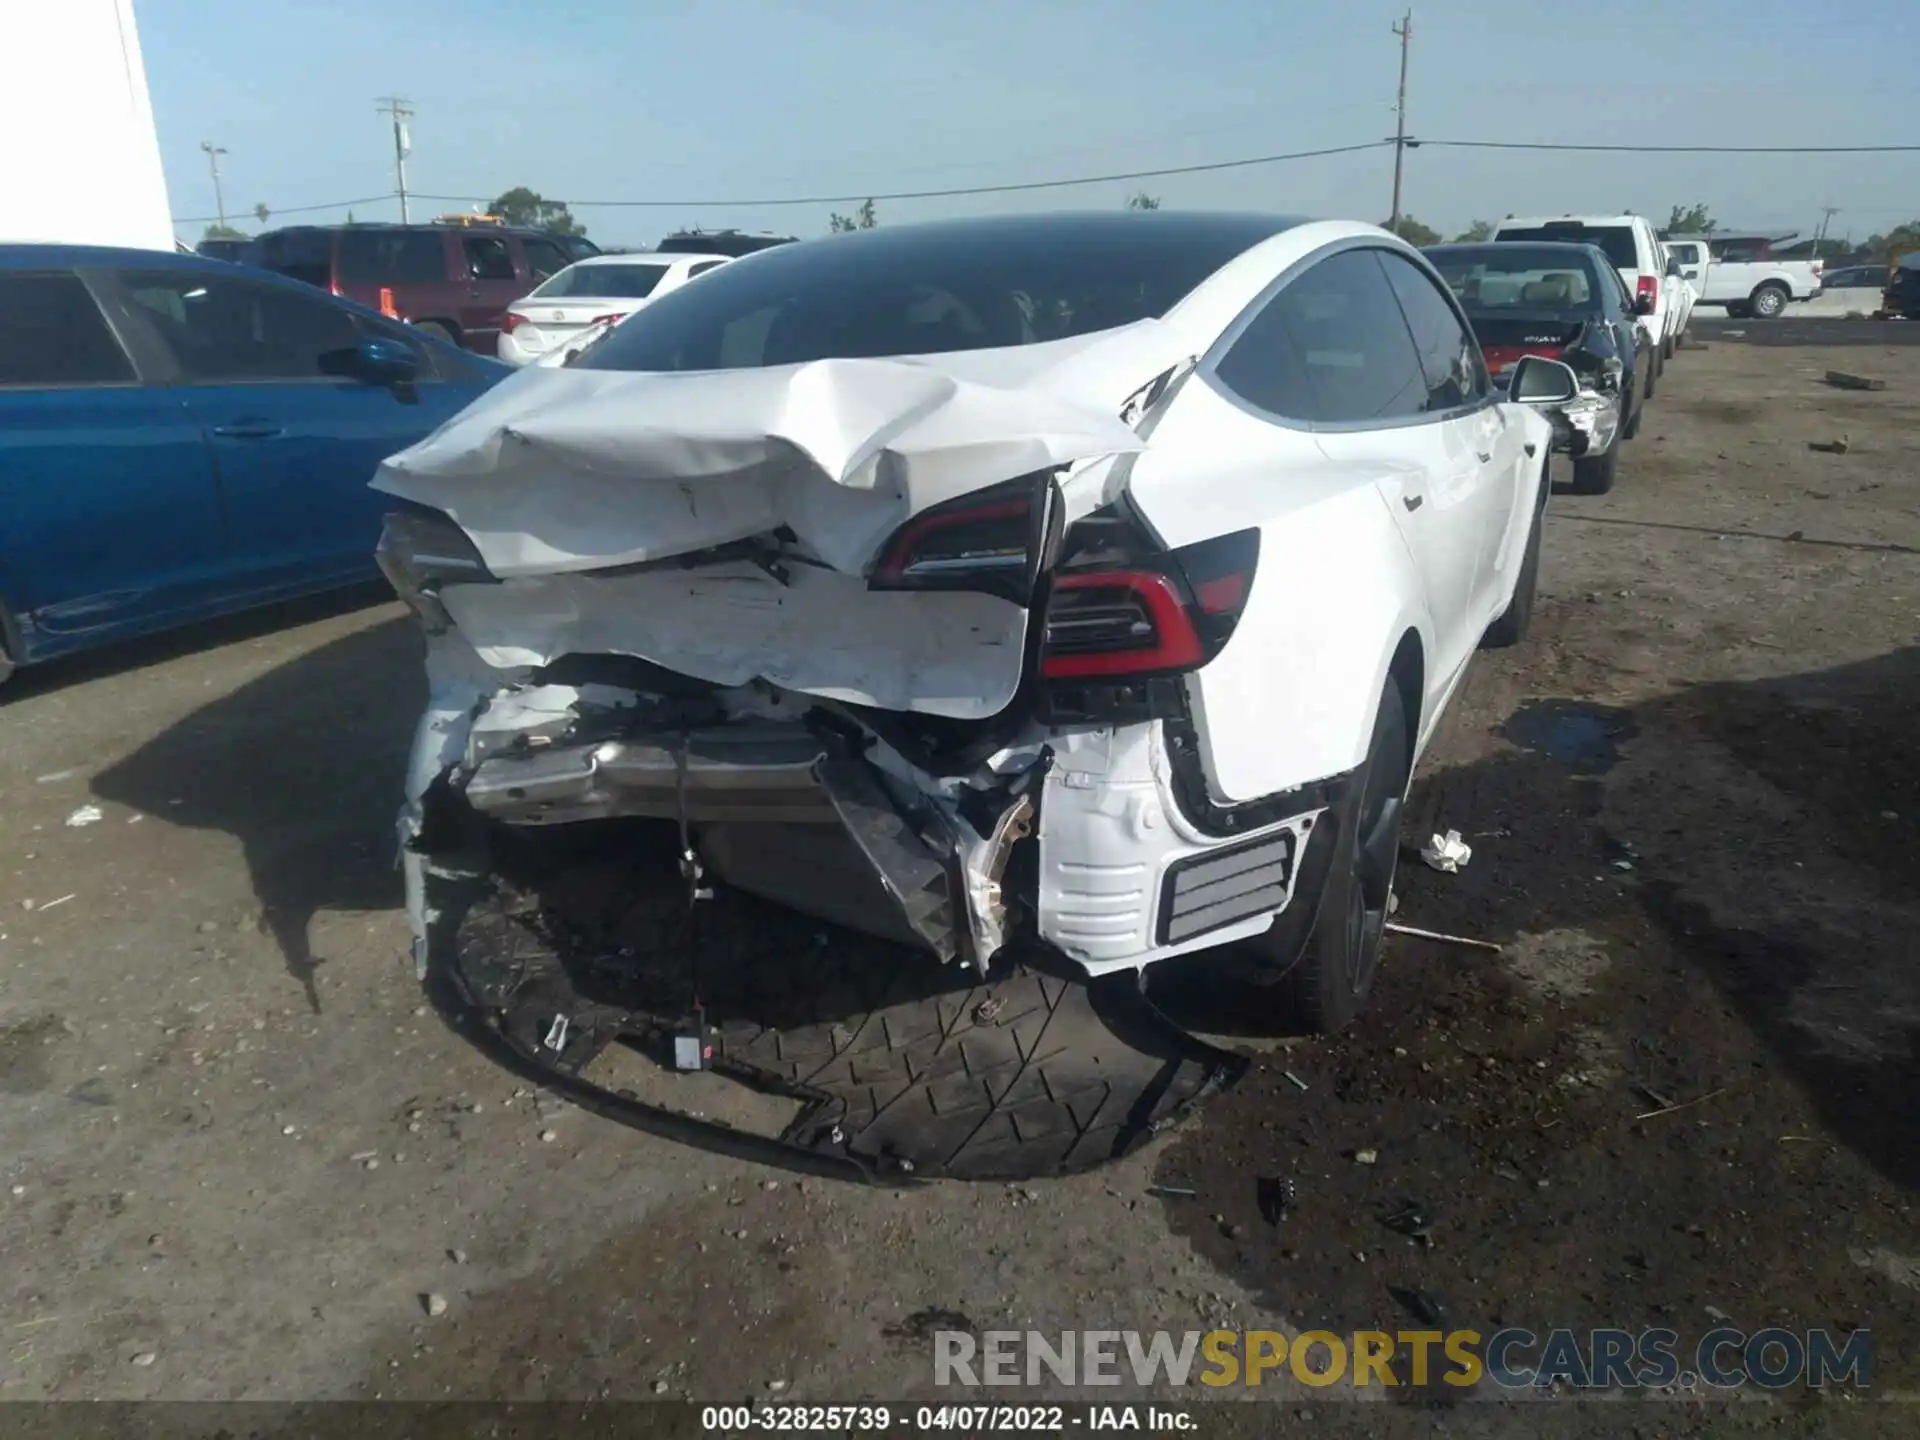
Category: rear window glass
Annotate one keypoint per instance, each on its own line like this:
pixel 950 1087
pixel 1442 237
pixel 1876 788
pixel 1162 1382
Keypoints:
pixel 55 335
pixel 622 281
pixel 1616 240
pixel 926 289
pixel 298 254
pixel 392 257
pixel 1514 278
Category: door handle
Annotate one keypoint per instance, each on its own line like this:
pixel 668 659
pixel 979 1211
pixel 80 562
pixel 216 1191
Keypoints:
pixel 249 430
pixel 474 294
pixel 1486 456
pixel 1413 502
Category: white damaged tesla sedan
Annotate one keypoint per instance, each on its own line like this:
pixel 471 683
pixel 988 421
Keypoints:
pixel 1078 584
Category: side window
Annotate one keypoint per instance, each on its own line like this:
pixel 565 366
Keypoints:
pixel 703 267
pixel 544 258
pixel 1332 347
pixel 1449 359
pixel 488 257
pixel 226 331
pixel 392 257
pixel 55 335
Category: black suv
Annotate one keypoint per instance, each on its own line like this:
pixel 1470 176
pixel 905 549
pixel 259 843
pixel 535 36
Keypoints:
pixel 734 243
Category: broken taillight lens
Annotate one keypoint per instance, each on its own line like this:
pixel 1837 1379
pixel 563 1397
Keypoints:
pixel 422 549
pixel 991 540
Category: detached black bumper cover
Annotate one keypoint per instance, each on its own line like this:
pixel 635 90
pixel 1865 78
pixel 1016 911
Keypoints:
pixel 902 1069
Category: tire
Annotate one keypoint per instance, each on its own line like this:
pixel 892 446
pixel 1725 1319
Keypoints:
pixel 1593 475
pixel 1739 310
pixel 1335 974
pixel 1667 347
pixel 437 329
pixel 1653 370
pixel 1632 427
pixel 1768 301
pixel 1510 626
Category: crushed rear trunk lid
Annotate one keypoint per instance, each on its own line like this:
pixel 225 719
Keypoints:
pixel 780 523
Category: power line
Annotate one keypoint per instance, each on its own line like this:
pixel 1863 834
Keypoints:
pixel 854 197
pixel 858 196
pixel 296 209
pixel 1676 149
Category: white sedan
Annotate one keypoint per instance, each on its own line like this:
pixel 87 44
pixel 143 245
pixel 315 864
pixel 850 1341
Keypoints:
pixel 1083 582
pixel 599 290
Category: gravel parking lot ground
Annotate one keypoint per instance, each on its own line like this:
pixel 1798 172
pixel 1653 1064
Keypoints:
pixel 242 1155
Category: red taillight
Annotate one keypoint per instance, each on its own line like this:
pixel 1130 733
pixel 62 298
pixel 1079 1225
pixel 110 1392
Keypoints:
pixel 1138 621
pixel 510 322
pixel 1648 289
pixel 1117 622
pixel 989 541
pixel 607 319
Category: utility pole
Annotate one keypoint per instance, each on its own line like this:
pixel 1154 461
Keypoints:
pixel 1827 212
pixel 402 111
pixel 214 152
pixel 1404 29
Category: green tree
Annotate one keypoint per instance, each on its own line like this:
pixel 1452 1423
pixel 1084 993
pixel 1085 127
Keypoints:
pixel 223 232
pixel 1896 242
pixel 862 219
pixel 1413 232
pixel 1479 230
pixel 521 206
pixel 262 213
pixel 1693 220
pixel 1141 200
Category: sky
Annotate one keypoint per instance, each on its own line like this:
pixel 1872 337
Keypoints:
pixel 711 107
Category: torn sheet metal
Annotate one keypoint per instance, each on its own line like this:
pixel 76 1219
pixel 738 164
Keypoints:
pixel 559 470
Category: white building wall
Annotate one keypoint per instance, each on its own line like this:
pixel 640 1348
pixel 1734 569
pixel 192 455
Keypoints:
pixel 80 162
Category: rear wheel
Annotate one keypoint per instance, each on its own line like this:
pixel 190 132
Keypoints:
pixel 438 330
pixel 1738 310
pixel 1331 982
pixel 1653 370
pixel 1768 301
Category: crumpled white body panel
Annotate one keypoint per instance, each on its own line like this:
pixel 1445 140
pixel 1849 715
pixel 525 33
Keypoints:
pixel 558 470
pixel 823 633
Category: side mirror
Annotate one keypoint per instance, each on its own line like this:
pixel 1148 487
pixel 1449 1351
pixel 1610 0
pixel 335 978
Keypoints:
pixel 1673 266
pixel 1643 304
pixel 376 360
pixel 1537 380
pixel 381 361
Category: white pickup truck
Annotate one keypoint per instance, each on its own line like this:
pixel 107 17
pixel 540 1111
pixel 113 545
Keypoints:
pixel 1741 273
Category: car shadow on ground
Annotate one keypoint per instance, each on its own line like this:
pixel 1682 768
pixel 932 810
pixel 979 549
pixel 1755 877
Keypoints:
pixel 127 656
pixel 1689 1085
pixel 304 766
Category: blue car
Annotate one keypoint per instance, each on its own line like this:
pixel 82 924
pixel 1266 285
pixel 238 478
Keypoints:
pixel 181 437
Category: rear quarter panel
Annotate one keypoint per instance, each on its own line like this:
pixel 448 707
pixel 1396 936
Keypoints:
pixel 1291 698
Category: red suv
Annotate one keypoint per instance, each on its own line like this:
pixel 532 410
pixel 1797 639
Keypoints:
pixel 454 280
